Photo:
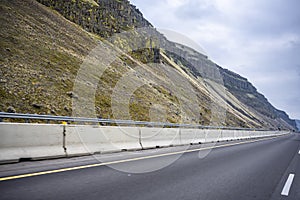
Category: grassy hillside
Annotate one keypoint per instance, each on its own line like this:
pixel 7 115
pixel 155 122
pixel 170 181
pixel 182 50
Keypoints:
pixel 40 54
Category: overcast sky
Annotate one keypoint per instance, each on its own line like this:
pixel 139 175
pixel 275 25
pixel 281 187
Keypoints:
pixel 259 39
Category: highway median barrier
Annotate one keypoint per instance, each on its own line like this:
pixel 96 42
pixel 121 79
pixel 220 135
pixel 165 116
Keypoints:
pixel 159 137
pixel 30 141
pixel 192 136
pixel 213 135
pixel 88 139
pixel 21 141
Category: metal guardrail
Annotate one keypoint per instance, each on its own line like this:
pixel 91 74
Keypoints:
pixel 28 117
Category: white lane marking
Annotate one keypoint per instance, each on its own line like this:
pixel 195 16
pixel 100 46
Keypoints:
pixel 299 152
pixel 287 186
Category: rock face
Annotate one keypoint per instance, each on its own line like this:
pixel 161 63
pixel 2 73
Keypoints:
pixel 11 109
pixel 104 17
pixel 233 80
pixel 239 86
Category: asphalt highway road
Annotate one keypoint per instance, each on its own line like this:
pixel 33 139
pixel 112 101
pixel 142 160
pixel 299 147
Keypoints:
pixel 241 170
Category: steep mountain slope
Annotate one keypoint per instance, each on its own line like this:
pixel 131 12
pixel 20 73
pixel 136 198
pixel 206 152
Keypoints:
pixel 40 54
pixel 240 88
pixel 43 52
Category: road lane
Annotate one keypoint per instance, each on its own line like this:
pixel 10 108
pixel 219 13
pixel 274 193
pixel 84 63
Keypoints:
pixel 245 171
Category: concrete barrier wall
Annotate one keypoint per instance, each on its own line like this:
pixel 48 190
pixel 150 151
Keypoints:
pixel 227 135
pixel 99 139
pixel 213 135
pixel 192 136
pixel 30 141
pixel 159 137
pixel 38 141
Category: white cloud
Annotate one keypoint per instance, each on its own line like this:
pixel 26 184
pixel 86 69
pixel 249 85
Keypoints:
pixel 175 3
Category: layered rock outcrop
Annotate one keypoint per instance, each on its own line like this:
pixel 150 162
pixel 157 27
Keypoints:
pixel 104 17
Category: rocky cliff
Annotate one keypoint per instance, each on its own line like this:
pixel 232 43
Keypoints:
pixel 103 17
pixel 199 65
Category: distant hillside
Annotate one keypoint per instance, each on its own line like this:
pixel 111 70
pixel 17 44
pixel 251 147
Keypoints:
pixel 238 86
pixel 43 47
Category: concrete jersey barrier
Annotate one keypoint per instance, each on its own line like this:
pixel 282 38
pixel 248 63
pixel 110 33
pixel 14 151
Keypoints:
pixel 38 141
pixel 192 136
pixel 30 141
pixel 159 137
pixel 100 139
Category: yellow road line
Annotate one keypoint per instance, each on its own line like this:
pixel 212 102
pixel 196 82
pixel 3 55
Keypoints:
pixel 125 160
